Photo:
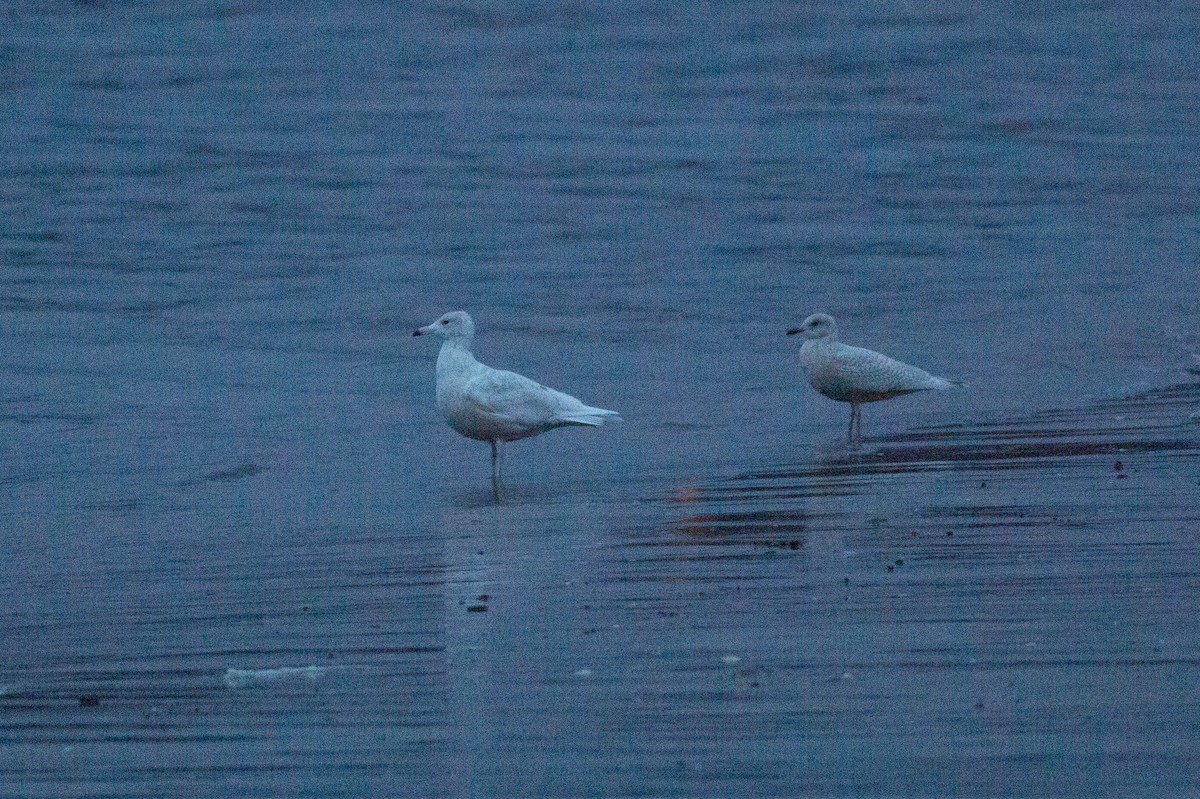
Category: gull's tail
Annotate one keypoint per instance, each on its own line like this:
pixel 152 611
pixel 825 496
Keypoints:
pixel 587 415
pixel 942 384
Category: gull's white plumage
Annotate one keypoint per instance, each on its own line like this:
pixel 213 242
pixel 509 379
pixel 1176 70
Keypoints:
pixel 493 405
pixel 856 375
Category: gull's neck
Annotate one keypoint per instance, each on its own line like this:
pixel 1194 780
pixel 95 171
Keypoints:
pixel 455 358
pixel 816 350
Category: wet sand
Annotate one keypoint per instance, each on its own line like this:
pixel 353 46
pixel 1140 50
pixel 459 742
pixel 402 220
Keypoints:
pixel 1000 608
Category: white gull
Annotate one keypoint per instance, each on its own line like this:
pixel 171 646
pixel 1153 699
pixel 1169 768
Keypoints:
pixel 492 405
pixel 856 375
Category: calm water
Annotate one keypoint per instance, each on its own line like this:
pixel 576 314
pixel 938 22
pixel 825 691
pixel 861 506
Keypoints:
pixel 245 557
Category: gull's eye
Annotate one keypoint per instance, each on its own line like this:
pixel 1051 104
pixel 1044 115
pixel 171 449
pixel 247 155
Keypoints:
pixel 445 321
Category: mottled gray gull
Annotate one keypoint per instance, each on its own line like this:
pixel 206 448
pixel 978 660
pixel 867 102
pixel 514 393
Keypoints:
pixel 492 405
pixel 856 375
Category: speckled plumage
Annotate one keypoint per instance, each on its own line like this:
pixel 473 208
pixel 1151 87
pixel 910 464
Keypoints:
pixel 856 375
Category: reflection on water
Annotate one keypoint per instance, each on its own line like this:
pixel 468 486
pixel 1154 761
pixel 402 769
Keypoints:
pixel 1063 454
pixel 989 587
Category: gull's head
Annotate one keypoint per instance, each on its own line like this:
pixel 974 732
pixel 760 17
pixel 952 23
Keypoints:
pixel 453 326
pixel 819 325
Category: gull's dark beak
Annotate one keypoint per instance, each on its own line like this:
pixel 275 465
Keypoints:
pixel 793 331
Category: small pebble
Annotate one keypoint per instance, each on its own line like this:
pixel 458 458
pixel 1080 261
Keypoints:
pixel 89 700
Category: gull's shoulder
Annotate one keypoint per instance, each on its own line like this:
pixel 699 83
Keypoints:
pixel 499 390
pixel 851 354
pixel 502 381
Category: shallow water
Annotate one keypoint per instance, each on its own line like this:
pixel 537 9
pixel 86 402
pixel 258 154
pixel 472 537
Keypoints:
pixel 246 557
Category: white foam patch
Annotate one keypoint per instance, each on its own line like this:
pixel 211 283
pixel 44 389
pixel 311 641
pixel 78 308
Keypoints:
pixel 243 678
